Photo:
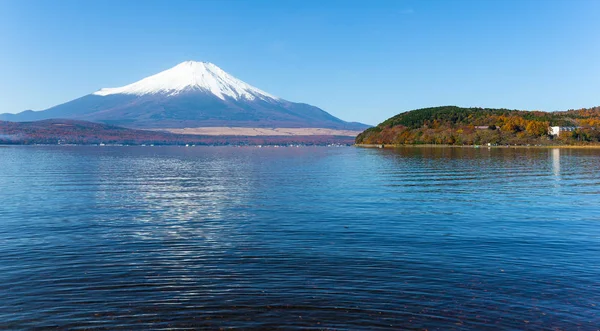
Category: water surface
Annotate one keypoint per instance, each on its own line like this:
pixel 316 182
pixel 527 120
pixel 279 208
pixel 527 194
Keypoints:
pixel 122 238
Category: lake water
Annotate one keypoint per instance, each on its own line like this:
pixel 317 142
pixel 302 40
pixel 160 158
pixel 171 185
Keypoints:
pixel 123 238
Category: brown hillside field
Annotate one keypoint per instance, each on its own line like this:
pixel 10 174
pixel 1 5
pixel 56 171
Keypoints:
pixel 239 131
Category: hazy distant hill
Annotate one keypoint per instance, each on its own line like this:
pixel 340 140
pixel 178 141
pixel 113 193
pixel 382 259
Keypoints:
pixel 81 132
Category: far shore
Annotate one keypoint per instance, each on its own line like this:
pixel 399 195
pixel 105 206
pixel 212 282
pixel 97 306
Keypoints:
pixel 477 146
pixel 243 131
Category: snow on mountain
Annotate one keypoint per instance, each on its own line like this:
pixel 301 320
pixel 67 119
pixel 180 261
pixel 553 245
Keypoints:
pixel 188 76
pixel 189 95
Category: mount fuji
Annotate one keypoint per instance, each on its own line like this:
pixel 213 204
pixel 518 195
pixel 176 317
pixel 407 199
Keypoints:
pixel 189 95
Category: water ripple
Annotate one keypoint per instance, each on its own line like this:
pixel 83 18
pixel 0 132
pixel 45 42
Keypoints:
pixel 121 238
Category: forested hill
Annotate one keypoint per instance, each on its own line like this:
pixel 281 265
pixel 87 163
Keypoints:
pixel 474 126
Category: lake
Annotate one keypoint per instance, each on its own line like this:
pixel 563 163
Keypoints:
pixel 122 238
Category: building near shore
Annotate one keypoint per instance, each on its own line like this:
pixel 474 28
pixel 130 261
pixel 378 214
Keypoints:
pixel 556 130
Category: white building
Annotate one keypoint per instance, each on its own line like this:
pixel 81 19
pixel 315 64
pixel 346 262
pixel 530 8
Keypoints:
pixel 556 130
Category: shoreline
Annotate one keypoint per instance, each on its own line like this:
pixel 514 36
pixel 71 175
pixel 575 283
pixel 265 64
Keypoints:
pixel 387 146
pixel 260 132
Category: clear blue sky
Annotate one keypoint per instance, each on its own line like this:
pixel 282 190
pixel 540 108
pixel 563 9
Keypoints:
pixel 360 60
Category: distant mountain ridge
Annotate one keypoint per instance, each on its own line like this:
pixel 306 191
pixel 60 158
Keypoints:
pixel 191 94
pixel 60 131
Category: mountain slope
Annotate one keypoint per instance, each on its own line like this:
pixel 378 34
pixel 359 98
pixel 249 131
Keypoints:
pixel 191 94
pixel 60 131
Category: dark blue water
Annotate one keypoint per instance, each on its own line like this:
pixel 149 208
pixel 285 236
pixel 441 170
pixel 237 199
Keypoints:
pixel 123 238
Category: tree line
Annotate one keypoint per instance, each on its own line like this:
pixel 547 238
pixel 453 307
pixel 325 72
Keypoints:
pixel 452 125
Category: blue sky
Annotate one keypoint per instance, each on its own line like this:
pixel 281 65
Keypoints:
pixel 359 60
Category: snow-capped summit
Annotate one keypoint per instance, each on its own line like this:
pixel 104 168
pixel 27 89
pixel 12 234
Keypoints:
pixel 189 95
pixel 191 75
